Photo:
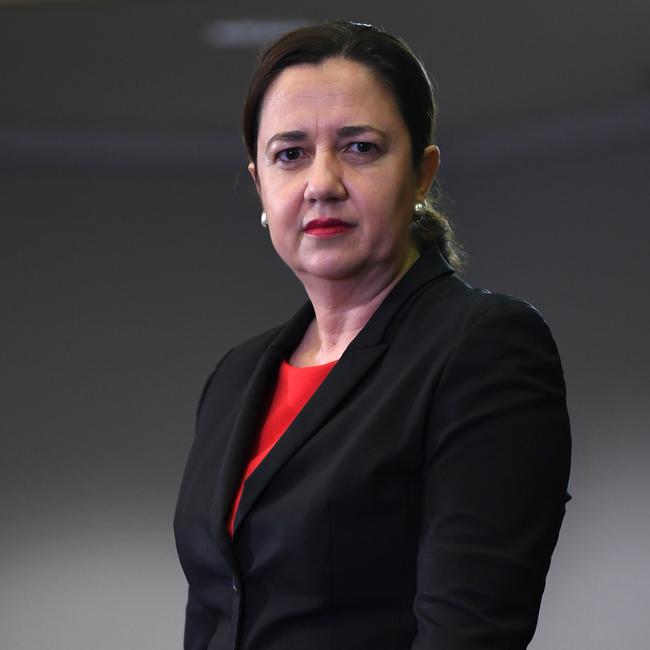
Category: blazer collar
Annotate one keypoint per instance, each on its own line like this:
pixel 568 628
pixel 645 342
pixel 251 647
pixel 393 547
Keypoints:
pixel 360 356
pixel 429 267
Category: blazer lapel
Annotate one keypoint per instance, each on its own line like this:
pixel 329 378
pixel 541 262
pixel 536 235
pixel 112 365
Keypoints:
pixel 343 378
pixel 360 357
pixel 254 406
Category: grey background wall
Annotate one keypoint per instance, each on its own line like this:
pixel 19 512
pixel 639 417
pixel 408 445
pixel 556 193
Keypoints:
pixel 129 234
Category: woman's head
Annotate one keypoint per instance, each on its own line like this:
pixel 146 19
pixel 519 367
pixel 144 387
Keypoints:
pixel 392 64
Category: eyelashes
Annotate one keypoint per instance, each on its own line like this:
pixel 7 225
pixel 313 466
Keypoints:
pixel 290 155
pixel 362 148
pixel 360 151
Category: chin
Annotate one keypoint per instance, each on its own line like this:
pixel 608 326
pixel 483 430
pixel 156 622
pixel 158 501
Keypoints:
pixel 331 269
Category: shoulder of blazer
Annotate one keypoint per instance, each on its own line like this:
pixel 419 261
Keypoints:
pixel 465 304
pixel 247 353
pixel 444 316
pixel 241 361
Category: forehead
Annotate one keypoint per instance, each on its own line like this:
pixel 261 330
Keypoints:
pixel 334 90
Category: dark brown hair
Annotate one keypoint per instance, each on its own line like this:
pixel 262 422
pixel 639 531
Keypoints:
pixel 393 62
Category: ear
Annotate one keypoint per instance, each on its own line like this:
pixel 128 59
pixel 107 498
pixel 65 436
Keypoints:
pixel 427 170
pixel 253 172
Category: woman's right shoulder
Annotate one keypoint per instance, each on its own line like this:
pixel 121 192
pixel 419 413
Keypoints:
pixel 249 351
pixel 242 358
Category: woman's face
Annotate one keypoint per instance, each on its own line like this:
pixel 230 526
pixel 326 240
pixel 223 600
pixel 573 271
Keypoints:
pixel 335 174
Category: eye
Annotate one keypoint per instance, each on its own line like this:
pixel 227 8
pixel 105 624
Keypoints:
pixel 289 155
pixel 362 147
pixel 359 153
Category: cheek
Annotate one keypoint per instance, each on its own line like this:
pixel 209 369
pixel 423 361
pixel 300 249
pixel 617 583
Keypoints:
pixel 280 198
pixel 394 182
pixel 389 202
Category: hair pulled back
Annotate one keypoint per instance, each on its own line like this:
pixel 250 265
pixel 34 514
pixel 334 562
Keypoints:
pixel 393 62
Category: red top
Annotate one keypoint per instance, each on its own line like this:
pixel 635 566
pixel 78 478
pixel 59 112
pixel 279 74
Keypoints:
pixel 294 388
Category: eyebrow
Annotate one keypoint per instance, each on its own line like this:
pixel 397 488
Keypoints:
pixel 360 129
pixel 293 137
pixel 286 136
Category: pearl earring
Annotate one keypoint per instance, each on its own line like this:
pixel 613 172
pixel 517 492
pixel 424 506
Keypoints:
pixel 419 209
pixel 264 221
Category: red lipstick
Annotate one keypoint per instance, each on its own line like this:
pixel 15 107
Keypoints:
pixel 324 228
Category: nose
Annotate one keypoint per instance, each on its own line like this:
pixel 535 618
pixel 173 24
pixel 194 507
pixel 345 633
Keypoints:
pixel 325 179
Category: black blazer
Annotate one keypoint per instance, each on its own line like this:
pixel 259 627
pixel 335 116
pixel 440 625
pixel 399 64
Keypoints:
pixel 414 502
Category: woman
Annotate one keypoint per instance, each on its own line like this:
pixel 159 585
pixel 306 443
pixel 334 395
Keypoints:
pixel 388 469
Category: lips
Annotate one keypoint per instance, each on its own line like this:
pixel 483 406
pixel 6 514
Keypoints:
pixel 327 227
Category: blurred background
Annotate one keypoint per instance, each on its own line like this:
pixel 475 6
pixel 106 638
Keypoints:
pixel 132 258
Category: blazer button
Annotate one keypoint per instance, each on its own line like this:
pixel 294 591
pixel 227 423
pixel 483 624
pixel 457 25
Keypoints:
pixel 235 588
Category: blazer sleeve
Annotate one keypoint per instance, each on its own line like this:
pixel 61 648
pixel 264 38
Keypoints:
pixel 495 479
pixel 199 624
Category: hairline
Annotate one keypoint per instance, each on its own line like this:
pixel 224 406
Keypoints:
pixel 343 56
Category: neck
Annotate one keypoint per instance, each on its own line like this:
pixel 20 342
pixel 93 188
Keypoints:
pixel 342 308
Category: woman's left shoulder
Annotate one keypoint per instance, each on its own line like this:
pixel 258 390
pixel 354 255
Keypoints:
pixel 504 307
pixel 506 321
pixel 464 310
pixel 499 335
